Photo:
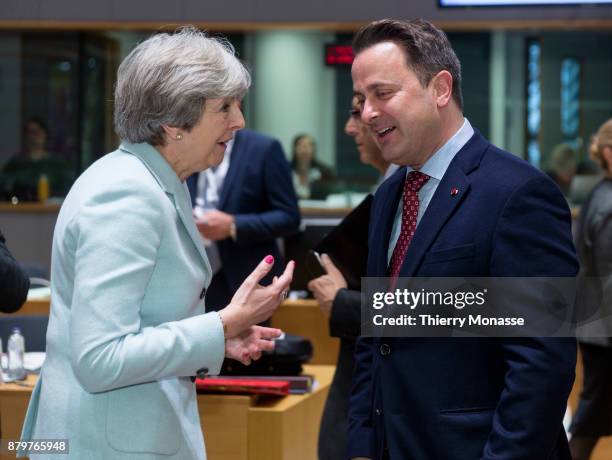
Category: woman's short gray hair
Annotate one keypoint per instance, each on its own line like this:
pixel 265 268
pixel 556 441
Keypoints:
pixel 167 79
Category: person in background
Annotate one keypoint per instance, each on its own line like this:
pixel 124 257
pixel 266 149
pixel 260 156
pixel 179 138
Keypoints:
pixel 128 327
pixel 593 418
pixel 14 282
pixel 307 170
pixel 22 173
pixel 242 207
pixel 562 167
pixel 369 151
pixel 343 308
pixel 586 165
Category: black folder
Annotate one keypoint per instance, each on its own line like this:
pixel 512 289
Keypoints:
pixel 347 244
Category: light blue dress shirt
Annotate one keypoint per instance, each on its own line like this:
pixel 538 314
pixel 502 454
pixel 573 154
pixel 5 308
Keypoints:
pixel 435 168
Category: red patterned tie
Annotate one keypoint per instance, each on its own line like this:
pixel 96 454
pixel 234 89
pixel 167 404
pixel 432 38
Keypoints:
pixel 410 211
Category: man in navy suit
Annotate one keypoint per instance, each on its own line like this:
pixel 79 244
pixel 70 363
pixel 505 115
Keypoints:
pixel 241 208
pixel 460 207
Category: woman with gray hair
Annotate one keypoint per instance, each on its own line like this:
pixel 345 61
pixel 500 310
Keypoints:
pixel 129 271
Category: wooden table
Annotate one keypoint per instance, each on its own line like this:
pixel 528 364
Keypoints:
pixel 13 405
pixel 235 427
pixel 300 317
pixel 34 307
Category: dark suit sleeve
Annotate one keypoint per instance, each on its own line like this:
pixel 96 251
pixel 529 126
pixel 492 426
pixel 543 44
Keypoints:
pixel 361 439
pixel 14 283
pixel 360 433
pixel 602 245
pixel 283 216
pixel 345 317
pixel 602 248
pixel 533 238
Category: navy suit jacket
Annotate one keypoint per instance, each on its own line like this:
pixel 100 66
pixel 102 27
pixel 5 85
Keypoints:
pixel 259 193
pixel 469 398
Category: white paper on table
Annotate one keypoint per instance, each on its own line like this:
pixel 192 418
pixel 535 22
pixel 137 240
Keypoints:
pixel 41 293
pixel 32 361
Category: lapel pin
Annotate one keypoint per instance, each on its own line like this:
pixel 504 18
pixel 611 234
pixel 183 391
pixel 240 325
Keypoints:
pixel 454 191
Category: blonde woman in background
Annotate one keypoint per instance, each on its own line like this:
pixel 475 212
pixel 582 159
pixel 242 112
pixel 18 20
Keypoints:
pixel 594 245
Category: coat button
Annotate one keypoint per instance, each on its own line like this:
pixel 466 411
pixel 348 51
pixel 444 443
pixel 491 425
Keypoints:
pixel 202 373
pixel 203 293
pixel 385 349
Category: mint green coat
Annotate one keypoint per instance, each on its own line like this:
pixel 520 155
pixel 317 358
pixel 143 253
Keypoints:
pixel 127 325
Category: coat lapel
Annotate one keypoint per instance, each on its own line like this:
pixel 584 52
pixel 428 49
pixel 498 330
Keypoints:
pixel 444 203
pixel 176 191
pixel 182 204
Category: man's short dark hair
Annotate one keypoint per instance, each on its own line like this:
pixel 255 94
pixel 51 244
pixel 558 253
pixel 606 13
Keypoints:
pixel 427 48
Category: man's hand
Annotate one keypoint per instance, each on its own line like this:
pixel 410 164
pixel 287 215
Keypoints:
pixel 215 225
pixel 327 286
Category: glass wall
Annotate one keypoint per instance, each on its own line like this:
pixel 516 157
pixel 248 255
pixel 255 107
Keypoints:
pixel 56 90
pixel 567 95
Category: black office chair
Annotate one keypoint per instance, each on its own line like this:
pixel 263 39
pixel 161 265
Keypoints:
pixel 33 328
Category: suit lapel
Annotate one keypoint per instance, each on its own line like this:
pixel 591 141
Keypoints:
pixel 236 167
pixel 384 221
pixel 444 203
pixel 440 209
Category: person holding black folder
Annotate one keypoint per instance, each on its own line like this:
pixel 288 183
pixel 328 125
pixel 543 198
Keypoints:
pixel 344 261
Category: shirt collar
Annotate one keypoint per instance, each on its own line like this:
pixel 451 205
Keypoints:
pixel 224 165
pixel 389 172
pixel 438 163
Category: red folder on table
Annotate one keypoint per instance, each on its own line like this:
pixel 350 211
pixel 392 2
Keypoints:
pixel 243 386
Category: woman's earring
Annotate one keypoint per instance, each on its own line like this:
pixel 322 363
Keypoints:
pixel 179 136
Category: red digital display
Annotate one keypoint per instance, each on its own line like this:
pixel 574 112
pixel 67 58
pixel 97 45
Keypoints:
pixel 339 55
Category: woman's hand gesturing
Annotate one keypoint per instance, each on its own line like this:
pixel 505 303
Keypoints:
pixel 254 303
pixel 248 345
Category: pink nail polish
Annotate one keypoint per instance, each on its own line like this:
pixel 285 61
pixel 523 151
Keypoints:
pixel 269 260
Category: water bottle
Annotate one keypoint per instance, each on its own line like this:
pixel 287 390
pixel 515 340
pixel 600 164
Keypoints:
pixel 43 188
pixel 16 350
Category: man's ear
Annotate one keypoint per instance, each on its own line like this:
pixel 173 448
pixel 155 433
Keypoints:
pixel 442 84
